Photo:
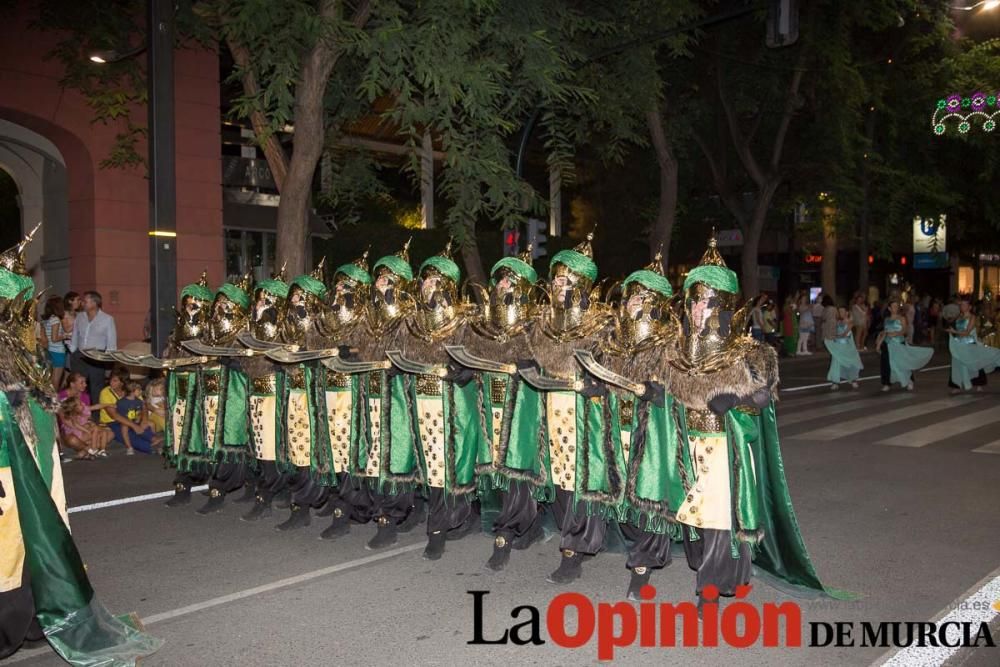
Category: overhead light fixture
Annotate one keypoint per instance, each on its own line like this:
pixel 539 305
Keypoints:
pixel 113 55
pixel 986 5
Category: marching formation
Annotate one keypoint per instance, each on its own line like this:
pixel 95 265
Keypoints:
pixel 398 397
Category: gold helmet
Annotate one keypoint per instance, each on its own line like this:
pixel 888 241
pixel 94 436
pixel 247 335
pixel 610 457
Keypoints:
pixel 230 312
pixel 572 274
pixel 711 293
pixel 193 312
pixel 305 305
pixel 511 300
pixel 393 275
pixel 644 313
pixel 438 292
pixel 19 357
pixel 349 295
pixel 269 302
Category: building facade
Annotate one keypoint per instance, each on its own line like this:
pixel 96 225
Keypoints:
pixel 94 234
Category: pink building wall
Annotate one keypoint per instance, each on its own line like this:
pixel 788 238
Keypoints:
pixel 109 208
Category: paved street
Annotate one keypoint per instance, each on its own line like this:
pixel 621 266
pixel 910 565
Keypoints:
pixel 896 495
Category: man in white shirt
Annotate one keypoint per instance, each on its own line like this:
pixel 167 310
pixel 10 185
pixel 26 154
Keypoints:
pixel 93 330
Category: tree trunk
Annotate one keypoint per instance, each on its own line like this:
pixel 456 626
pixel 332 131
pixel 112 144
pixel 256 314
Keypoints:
pixel 828 278
pixel 274 153
pixel 864 231
pixel 659 240
pixel 296 197
pixel 310 135
pixel 749 264
pixel 473 262
pixel 749 260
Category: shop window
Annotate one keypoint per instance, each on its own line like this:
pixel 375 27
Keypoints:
pixel 248 250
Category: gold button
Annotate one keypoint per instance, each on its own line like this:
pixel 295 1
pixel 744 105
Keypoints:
pixel 681 517
pixel 708 450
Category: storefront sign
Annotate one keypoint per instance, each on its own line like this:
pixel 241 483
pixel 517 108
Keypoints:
pixel 930 260
pixel 246 173
pixel 929 234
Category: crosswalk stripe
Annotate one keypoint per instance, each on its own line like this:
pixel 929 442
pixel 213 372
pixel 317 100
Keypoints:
pixel 880 418
pixel 796 416
pixel 992 448
pixel 941 430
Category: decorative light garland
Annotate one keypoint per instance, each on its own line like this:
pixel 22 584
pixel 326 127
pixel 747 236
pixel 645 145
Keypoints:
pixel 977 106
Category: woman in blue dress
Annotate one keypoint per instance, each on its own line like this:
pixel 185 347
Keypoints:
pixel 970 359
pixel 845 362
pixel 899 360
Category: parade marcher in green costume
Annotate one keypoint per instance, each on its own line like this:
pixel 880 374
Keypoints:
pixel 302 453
pixel 446 441
pixel 265 406
pixel 226 406
pixel 395 505
pixel 636 351
pixel 44 589
pixel 585 470
pixel 184 428
pixel 731 498
pixel 498 337
pixel 346 381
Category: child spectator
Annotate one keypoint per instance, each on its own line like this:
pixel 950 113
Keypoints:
pixel 156 404
pixel 80 434
pixel 52 330
pixel 138 433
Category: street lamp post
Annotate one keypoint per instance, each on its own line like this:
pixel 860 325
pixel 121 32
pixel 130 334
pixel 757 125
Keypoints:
pixel 162 183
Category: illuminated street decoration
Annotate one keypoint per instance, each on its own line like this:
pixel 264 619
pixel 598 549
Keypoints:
pixel 961 112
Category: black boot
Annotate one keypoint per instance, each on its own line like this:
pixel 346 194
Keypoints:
pixel 249 494
pixel 385 536
pixel 469 525
pixel 182 495
pixel 330 507
pixel 283 500
pixel 640 577
pixel 216 499
pixel 416 516
pixel 535 533
pixel 570 568
pixel 261 508
pixel 435 545
pixel 298 519
pixel 341 525
pixel 501 554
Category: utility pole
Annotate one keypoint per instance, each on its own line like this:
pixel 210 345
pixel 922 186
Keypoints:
pixel 162 175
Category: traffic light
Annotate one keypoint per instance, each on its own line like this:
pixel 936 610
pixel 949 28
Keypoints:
pixel 510 242
pixel 536 238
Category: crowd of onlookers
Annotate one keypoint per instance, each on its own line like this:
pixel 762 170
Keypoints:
pixel 803 323
pixel 98 404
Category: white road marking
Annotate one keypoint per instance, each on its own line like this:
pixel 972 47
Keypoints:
pixel 975 607
pixel 853 426
pixel 991 448
pixel 240 595
pixel 796 416
pixel 280 583
pixel 128 501
pixel 863 379
pixel 929 434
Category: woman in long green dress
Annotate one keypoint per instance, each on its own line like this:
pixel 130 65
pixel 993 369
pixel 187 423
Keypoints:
pixel 899 359
pixel 845 362
pixel 970 359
